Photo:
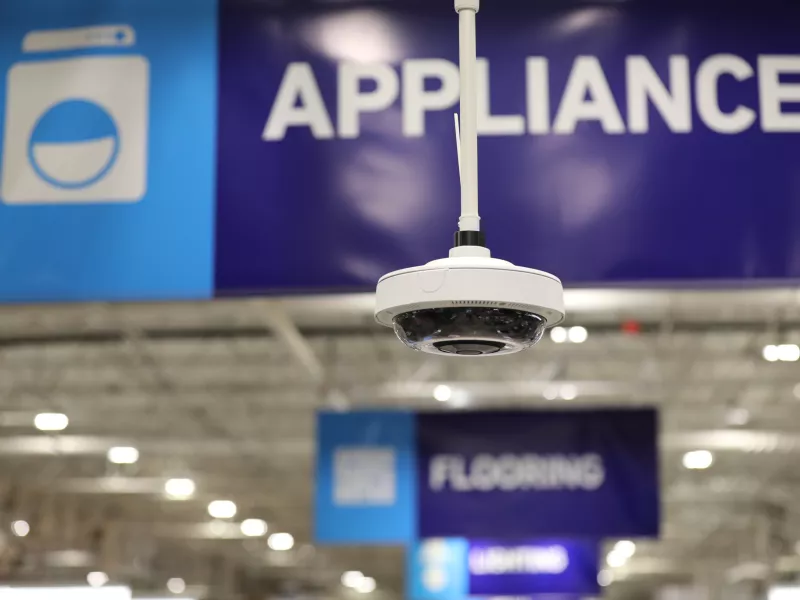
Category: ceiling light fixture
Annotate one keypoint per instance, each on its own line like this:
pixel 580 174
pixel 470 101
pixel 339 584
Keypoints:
pixel 179 489
pixel 558 335
pixel 222 509
pixel 578 335
pixel 782 352
pixel 176 585
pixel 123 455
pixel 96 579
pixel 789 352
pixel 253 527
pixel 281 541
pixel 550 392
pixel 616 559
pixel 366 585
pixel 442 393
pixel 568 392
pixel 352 579
pixel 698 459
pixel 51 421
pixel 20 528
pixel 605 578
pixel 625 547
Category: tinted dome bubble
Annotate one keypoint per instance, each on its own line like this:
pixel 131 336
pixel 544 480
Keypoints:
pixel 73 144
pixel 468 331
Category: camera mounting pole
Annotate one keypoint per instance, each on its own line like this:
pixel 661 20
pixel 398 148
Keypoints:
pixel 469 224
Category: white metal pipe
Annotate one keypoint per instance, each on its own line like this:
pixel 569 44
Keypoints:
pixel 468 115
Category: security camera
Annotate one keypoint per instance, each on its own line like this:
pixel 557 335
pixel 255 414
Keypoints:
pixel 469 304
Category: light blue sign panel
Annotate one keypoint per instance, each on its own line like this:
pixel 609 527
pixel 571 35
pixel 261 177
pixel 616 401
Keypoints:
pixel 436 569
pixel 366 478
pixel 107 160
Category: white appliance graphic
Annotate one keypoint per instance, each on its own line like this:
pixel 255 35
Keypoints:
pixel 76 127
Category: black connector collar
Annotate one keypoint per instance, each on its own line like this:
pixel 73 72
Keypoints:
pixel 470 238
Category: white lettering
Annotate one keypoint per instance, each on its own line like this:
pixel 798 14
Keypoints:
pixel 352 101
pixel 298 85
pixel 431 85
pixel 538 95
pixel 706 88
pixel 437 471
pixel 511 472
pixel 674 104
pixel 417 101
pixel 522 559
pixel 772 93
pixel 587 79
pixel 489 124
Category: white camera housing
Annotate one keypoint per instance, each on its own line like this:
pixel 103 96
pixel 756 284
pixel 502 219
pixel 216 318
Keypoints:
pixel 520 304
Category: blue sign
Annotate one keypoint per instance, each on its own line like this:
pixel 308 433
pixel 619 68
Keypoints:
pixel 107 161
pixel 191 148
pixel 366 487
pixel 506 474
pixel 455 568
pixel 393 477
pixel 640 142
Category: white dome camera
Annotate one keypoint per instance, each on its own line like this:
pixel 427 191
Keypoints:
pixel 469 304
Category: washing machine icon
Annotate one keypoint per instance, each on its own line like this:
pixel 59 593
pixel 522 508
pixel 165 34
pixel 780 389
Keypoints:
pixel 76 127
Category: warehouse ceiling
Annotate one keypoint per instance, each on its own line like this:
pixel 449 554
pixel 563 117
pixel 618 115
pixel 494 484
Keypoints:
pixel 224 393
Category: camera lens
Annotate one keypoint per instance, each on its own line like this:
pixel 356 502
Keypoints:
pixel 469 347
pixel 468 331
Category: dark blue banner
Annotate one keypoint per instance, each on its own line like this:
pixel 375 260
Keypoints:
pixel 456 568
pixel 619 143
pixel 393 477
pixel 505 474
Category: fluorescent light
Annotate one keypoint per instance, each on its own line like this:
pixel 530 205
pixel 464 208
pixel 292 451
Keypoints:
pixel 253 527
pixel 616 559
pixel 698 459
pixel 789 352
pixel 50 421
pixel 179 489
pixel 281 541
pixel 625 547
pixel 352 579
pixel 605 578
pixel 568 392
pixel 123 455
pixel 442 393
pixel 176 585
pixel 558 335
pixel 366 585
pixel 222 509
pixel 97 579
pixel 20 528
pixel 578 335
pixel 771 353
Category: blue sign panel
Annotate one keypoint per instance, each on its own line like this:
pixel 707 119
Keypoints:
pixel 454 568
pixel 506 474
pixel 366 480
pixel 393 477
pixel 107 132
pixel 649 141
